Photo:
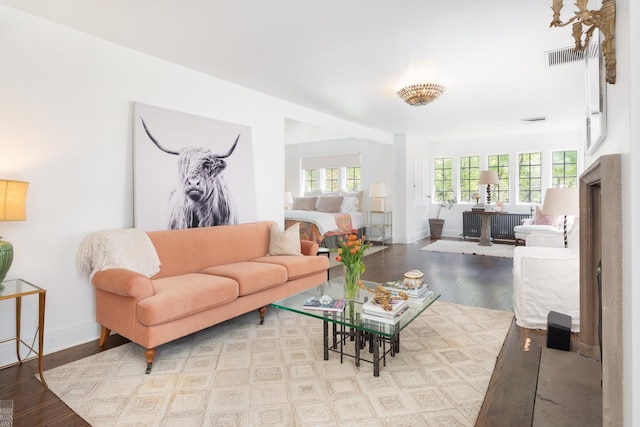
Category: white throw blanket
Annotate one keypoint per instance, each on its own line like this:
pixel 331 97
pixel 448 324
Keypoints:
pixel 326 222
pixel 128 248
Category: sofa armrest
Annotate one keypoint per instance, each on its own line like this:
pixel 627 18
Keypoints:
pixel 308 247
pixel 123 282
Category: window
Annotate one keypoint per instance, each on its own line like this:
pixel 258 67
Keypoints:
pixel 443 179
pixel 530 176
pixel 564 169
pixel 353 178
pixel 500 164
pixel 469 173
pixel 331 179
pixel 331 173
pixel 311 180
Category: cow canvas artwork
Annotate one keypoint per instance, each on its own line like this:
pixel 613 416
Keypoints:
pixel 190 171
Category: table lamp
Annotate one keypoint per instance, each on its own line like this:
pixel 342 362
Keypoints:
pixel 488 178
pixel 13 197
pixel 288 200
pixel 562 201
pixel 377 193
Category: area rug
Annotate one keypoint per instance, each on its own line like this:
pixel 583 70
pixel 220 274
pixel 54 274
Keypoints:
pixel 239 373
pixel 473 248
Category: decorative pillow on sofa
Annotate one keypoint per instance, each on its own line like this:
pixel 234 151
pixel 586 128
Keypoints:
pixel 285 242
pixel 329 204
pixel 542 219
pixel 304 203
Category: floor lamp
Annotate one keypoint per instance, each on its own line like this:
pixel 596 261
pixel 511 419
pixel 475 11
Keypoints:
pixel 562 201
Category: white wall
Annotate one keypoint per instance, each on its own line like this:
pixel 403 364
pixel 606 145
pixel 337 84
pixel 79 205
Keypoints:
pixel 410 215
pixel 415 164
pixel 375 161
pixel 66 128
pixel 623 134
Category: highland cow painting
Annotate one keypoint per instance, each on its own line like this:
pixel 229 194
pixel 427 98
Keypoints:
pixel 190 171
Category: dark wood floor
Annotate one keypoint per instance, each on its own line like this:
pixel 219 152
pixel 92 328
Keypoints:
pixel 465 279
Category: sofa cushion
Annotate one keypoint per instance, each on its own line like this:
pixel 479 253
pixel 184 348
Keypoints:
pixel 181 296
pixel 297 266
pixel 189 250
pixel 251 276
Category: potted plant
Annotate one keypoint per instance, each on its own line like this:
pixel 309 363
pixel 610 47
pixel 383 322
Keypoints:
pixel 436 224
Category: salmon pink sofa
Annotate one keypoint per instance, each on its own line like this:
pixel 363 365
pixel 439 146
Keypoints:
pixel 206 276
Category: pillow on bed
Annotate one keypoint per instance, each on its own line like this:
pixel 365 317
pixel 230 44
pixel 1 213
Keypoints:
pixel 356 194
pixel 304 203
pixel 331 193
pixel 312 193
pixel 349 204
pixel 285 242
pixel 329 204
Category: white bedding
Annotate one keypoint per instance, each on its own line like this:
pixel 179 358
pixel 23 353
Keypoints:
pixel 357 220
pixel 324 221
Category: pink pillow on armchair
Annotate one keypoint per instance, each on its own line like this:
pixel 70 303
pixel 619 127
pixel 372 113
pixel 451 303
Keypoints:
pixel 542 219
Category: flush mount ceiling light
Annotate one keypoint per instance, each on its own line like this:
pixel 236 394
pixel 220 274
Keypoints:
pixel 421 93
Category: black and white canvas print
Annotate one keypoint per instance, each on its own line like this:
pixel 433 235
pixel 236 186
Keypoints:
pixel 190 171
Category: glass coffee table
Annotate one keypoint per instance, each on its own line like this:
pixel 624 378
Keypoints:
pixel 348 325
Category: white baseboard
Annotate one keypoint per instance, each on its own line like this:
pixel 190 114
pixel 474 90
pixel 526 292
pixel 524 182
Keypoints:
pixel 54 340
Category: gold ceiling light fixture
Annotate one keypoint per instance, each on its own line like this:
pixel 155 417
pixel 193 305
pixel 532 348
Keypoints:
pixel 602 19
pixel 421 93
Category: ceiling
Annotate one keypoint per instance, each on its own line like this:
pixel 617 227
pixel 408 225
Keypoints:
pixel 348 58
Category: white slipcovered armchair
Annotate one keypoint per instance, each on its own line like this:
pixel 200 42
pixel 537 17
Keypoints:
pixel 547 278
pixel 529 228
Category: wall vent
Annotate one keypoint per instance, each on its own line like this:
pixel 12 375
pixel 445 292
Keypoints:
pixel 534 119
pixel 569 54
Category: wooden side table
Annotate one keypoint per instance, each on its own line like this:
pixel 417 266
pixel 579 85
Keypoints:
pixel 16 289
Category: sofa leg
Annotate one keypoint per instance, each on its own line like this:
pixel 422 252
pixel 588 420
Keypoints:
pixel 150 354
pixel 104 336
pixel 262 311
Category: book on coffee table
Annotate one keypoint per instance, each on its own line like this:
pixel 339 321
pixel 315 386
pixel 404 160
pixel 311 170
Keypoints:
pixel 397 286
pixel 317 303
pixel 386 319
pixel 375 309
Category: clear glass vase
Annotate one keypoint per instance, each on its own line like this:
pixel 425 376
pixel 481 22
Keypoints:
pixel 351 279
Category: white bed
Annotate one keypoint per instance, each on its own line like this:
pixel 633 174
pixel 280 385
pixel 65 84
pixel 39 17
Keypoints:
pixel 324 218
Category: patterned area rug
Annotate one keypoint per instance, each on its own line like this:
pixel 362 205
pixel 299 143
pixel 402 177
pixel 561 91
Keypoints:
pixel 239 373
pixel 473 248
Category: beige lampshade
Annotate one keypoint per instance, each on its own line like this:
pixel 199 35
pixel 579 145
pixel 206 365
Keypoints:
pixel 561 201
pixel 378 189
pixel 488 177
pixel 377 192
pixel 13 200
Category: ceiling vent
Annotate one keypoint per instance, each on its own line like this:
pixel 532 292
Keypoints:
pixel 569 54
pixel 534 119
